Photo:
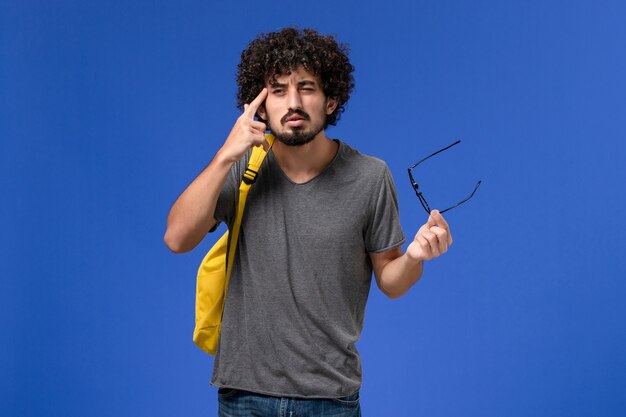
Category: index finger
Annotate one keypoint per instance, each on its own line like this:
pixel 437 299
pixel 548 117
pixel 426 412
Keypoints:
pixel 254 105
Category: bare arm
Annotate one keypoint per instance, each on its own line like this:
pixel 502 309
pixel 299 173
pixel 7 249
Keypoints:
pixel 192 215
pixel 396 272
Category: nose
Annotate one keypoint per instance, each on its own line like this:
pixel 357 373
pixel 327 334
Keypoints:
pixel 294 100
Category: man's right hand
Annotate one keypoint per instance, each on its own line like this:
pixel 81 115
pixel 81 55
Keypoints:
pixel 246 132
pixel 192 215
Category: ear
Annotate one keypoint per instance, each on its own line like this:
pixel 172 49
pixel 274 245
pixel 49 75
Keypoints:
pixel 261 112
pixel 331 105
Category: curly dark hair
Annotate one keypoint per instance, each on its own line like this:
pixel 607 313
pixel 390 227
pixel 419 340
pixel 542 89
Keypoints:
pixel 278 53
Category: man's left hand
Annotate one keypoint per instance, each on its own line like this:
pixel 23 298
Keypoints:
pixel 432 239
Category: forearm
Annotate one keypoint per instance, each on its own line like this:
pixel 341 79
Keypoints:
pixel 399 275
pixel 397 272
pixel 192 215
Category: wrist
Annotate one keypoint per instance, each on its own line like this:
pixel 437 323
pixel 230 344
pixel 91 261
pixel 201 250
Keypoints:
pixel 413 260
pixel 222 157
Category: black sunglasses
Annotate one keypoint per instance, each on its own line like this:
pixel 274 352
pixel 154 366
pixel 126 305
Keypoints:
pixel 419 194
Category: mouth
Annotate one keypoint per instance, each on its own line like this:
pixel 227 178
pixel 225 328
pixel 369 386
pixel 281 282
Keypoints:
pixel 295 119
pixel 294 122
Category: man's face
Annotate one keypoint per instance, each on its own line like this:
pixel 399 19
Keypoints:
pixel 296 108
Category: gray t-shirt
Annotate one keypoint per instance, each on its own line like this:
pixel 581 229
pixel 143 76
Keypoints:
pixel 302 274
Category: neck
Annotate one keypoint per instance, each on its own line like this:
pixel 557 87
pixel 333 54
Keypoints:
pixel 302 163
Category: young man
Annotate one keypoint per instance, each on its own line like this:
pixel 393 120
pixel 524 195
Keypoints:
pixel 319 219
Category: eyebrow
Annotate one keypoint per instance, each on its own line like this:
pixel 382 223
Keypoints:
pixel 300 83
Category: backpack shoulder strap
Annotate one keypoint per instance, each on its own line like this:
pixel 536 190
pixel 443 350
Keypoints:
pixel 249 177
pixel 256 159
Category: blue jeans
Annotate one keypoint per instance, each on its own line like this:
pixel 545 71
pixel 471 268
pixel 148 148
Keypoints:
pixel 238 403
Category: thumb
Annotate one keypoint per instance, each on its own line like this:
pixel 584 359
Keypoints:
pixel 432 218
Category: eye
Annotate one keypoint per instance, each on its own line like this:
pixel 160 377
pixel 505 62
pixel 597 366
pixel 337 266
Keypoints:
pixel 278 91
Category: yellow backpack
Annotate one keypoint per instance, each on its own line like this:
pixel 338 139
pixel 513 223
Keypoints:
pixel 214 273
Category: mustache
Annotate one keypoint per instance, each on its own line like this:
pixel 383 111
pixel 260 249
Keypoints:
pixel 300 113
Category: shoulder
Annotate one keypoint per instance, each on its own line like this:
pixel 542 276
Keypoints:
pixel 366 170
pixel 361 162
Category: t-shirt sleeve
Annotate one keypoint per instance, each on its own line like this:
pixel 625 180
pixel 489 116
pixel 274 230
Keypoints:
pixel 384 231
pixel 227 200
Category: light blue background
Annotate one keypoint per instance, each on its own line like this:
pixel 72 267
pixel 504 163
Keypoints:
pixel 109 109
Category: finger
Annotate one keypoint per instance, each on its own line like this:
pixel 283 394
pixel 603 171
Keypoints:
pixel 441 222
pixel 421 240
pixel 421 230
pixel 432 218
pixel 258 126
pixel 254 105
pixel 262 142
pixel 442 238
pixel 433 242
pixel 258 138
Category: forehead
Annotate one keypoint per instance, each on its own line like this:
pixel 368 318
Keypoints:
pixel 296 75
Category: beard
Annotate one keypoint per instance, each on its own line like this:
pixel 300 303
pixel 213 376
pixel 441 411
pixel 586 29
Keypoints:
pixel 298 136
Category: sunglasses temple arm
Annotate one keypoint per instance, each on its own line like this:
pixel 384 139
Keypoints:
pixel 433 154
pixel 464 200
